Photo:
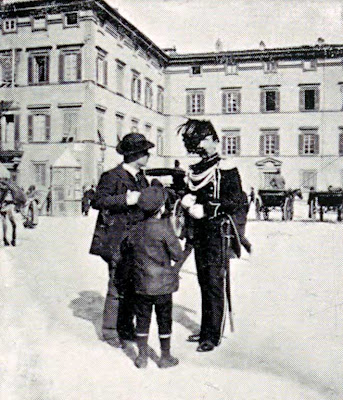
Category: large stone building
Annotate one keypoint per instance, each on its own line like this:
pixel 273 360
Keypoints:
pixel 75 76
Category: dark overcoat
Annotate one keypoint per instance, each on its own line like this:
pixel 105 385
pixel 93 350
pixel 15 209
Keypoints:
pixel 115 217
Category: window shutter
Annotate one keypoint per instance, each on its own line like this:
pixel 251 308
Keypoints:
pixel 105 73
pixel 263 101
pixel 97 70
pixel 30 128
pixel 188 101
pixel 277 145
pixel 133 83
pixel 139 89
pixel 79 66
pixel 47 127
pixel 202 103
pixel 47 60
pixel 277 101
pixel 61 68
pixel 316 144
pixel 224 102
pixel 239 102
pixel 238 145
pixel 30 69
pixel 224 145
pixel 301 144
pixel 316 98
pixel 340 146
pixel 302 99
pixel 262 145
pixel 16 131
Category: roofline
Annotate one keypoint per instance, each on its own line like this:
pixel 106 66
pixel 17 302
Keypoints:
pixel 101 6
pixel 273 54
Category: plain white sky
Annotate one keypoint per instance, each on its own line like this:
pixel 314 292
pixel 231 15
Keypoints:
pixel 195 25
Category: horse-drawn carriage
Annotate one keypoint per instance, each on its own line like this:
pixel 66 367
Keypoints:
pixel 273 199
pixel 322 202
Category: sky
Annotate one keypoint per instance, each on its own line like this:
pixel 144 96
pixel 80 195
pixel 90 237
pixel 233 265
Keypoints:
pixel 195 25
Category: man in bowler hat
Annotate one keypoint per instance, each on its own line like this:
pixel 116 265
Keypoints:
pixel 116 199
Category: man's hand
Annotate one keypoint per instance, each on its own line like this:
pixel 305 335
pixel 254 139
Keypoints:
pixel 197 211
pixel 132 197
pixel 188 200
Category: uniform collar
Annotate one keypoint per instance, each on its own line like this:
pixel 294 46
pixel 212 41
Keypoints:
pixel 130 169
pixel 205 164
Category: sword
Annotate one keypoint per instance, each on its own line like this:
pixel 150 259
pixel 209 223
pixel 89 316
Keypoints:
pixel 226 240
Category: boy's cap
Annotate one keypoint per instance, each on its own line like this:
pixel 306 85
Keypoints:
pixel 152 199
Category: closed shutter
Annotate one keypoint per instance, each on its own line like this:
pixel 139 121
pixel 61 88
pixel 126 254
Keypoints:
pixel 224 103
pixel 263 101
pixel 47 70
pixel 139 89
pixel 16 132
pixel 277 101
pixel 262 145
pixel 47 127
pixel 30 128
pixel 302 99
pixel 301 144
pixel 202 103
pixel 316 98
pixel 238 145
pixel 188 101
pixel 61 68
pixel 340 145
pixel 30 69
pixel 79 66
pixel 239 102
pixel 224 145
pixel 316 144
pixel 277 145
pixel 97 70
pixel 105 73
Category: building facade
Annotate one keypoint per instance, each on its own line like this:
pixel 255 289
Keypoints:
pixel 76 76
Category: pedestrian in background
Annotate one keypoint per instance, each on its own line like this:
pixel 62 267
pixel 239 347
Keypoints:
pixel 151 246
pixel 116 199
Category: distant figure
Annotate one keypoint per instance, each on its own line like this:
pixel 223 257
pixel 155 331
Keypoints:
pixel 252 195
pixel 179 174
pixel 87 198
pixel 31 209
pixel 7 211
pixel 48 201
pixel 278 181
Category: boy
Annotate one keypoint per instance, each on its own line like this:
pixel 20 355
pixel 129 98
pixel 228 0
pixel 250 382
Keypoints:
pixel 152 244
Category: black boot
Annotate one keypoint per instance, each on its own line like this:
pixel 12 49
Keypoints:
pixel 142 360
pixel 166 360
pixel 6 242
pixel 14 236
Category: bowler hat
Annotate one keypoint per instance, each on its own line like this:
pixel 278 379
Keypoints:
pixel 152 199
pixel 133 143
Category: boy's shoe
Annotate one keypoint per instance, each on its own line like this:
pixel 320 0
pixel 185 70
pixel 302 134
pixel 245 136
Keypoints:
pixel 168 361
pixel 13 243
pixel 207 345
pixel 141 362
pixel 6 242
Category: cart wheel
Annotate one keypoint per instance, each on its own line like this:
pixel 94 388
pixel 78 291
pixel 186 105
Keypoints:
pixel 178 218
pixel 285 210
pixel 258 209
pixel 321 214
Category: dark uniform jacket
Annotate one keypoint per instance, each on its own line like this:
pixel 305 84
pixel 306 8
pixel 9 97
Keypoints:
pixel 146 258
pixel 115 217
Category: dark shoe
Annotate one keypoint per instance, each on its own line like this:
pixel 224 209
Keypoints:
pixel 168 361
pixel 13 242
pixel 6 242
pixel 141 362
pixel 194 338
pixel 207 345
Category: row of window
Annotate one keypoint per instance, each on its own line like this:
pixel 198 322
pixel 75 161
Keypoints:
pixel 269 100
pixel 70 70
pixel 269 144
pixel 40 23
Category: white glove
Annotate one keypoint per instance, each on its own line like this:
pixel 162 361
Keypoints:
pixel 132 197
pixel 196 211
pixel 188 200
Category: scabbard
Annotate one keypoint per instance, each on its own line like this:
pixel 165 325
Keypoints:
pixel 226 238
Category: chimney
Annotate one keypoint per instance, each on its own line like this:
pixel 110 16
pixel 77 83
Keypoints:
pixel 262 45
pixel 219 45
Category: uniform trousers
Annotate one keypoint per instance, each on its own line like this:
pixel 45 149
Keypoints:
pixel 118 313
pixel 211 278
pixel 163 308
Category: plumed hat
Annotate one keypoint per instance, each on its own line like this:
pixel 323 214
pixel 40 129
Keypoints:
pixel 152 199
pixel 133 143
pixel 194 131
